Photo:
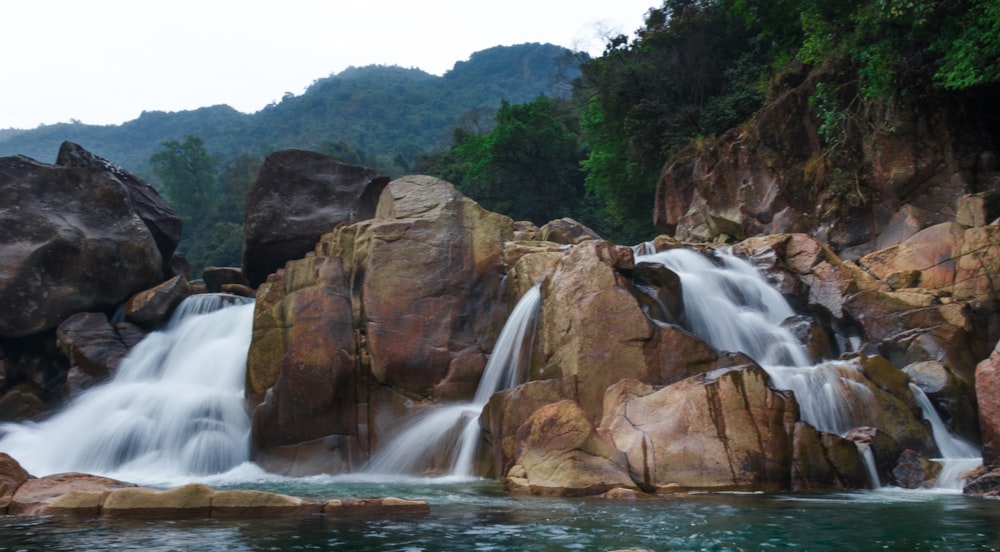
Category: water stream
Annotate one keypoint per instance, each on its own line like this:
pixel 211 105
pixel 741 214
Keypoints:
pixel 730 305
pixel 453 430
pixel 174 408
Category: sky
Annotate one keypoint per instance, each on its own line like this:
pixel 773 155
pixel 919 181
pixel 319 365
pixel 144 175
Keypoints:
pixel 106 61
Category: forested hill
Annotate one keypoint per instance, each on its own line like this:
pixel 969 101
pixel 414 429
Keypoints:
pixel 390 112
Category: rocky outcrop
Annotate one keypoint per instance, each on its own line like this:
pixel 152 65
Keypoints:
pixel 726 430
pixel 299 196
pixel 86 495
pixel 396 310
pixel 152 307
pixel 561 453
pixel 161 220
pixel 904 170
pixel 70 241
pixel 92 344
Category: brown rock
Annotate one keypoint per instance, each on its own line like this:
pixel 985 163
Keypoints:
pixel 153 307
pixel 988 392
pixel 566 231
pixel 12 476
pixel 218 276
pixel 823 461
pixel 192 500
pixel 562 454
pixel 726 430
pixel 915 471
pixel 91 343
pixel 508 410
pixel 76 493
pixel 375 508
pixel 254 504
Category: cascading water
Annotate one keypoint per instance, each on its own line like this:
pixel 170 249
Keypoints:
pixel 454 429
pixel 731 306
pixel 174 408
pixel 957 456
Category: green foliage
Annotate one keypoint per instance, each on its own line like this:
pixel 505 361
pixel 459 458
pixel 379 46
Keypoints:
pixel 210 202
pixel 526 166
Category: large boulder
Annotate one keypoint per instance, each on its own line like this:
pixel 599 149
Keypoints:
pixel 988 392
pixel 410 301
pixel 161 220
pixel 299 196
pixel 92 344
pixel 561 453
pixel 12 476
pixel 725 430
pixel 70 241
pixel 78 493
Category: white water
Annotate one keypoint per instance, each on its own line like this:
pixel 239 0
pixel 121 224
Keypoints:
pixel 958 457
pixel 450 433
pixel 731 306
pixel 175 407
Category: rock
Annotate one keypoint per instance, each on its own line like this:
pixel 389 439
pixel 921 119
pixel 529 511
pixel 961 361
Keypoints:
pixel 70 241
pixel 21 402
pixel 824 461
pixel 954 398
pixel 988 392
pixel 663 286
pixel 334 323
pixel 257 504
pixel 508 410
pixel 566 231
pixel 191 500
pixel 76 493
pixel 374 508
pixel 984 482
pixel 161 220
pixel 298 197
pixel 726 430
pixel 915 471
pixel 590 320
pixel 91 343
pixel 237 289
pixel 152 307
pixel 218 276
pixel 562 454
pixel 12 476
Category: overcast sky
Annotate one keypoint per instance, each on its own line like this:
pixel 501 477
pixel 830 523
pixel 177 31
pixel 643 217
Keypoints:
pixel 106 61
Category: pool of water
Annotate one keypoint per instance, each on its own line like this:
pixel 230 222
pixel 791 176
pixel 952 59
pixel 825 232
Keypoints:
pixel 478 515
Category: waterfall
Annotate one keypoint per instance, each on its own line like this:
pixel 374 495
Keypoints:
pixel 452 431
pixel 174 408
pixel 730 305
pixel 957 456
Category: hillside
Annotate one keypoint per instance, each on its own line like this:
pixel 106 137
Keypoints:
pixel 381 110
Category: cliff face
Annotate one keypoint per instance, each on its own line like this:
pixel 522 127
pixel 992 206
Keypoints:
pixel 859 177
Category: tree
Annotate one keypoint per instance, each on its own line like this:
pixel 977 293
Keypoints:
pixel 526 166
pixel 188 176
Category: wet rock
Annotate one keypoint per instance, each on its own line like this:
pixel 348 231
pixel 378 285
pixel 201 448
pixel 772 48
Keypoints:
pixel 76 493
pixel 988 392
pixel 70 241
pixel 298 197
pixel 823 461
pixel 561 454
pixel 192 500
pixel 92 344
pixel 984 482
pixel 245 504
pixel 218 276
pixel 726 430
pixel 152 307
pixel 915 471
pixel 374 508
pixel 12 476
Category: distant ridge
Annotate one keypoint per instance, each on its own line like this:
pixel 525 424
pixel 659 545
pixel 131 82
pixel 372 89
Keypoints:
pixel 381 110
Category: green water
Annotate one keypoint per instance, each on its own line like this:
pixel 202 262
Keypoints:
pixel 480 516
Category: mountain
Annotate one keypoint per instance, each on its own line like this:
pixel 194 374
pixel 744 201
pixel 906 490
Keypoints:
pixel 380 110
